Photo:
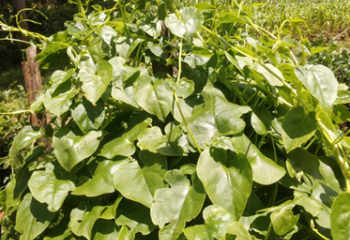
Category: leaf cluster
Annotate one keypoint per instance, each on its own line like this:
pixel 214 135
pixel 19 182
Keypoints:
pixel 171 122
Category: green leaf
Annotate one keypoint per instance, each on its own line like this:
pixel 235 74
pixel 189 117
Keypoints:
pixel 184 88
pixel 107 33
pixel 230 17
pixel 216 221
pixel 320 82
pixel 124 145
pixel 304 161
pixel 23 139
pixel 283 220
pixel 239 231
pixel 191 21
pixel 53 55
pixel 126 45
pixel 71 149
pixel 152 27
pixel 176 205
pixel 139 180
pixel 204 6
pixel 154 97
pixel 105 230
pixel 273 79
pixel 59 77
pixel 194 60
pixel 153 140
pixel 297 127
pixel 122 88
pixel 83 218
pixel 341 114
pixel 47 187
pixel 60 103
pixel 215 117
pixel 95 81
pixel 340 217
pixel 87 116
pixel 136 216
pixel 343 97
pixel 265 170
pixel 227 179
pixel 175 25
pixel 261 120
pixel 32 218
pixel 101 181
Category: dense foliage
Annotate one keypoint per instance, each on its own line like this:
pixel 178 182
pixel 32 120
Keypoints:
pixel 171 122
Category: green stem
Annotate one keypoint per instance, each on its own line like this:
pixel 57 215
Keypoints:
pixel 344 166
pixel 177 99
pixel 80 7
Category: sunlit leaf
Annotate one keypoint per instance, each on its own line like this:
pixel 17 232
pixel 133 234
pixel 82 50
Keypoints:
pixel 71 149
pixel 320 82
pixel 176 205
pixel 227 179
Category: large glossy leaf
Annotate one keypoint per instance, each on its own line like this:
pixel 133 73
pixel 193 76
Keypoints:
pixel 95 81
pixel 215 117
pixel 297 128
pixel 340 217
pixel 87 116
pixel 136 216
pixel 139 180
pixel 156 97
pixel 153 140
pixel 83 218
pixel 101 181
pixel 47 187
pixel 191 21
pixel 59 104
pixel 283 220
pixel 32 218
pixel 320 82
pixel 124 144
pixel 265 170
pixel 227 179
pixel 216 221
pixel 176 205
pixel 71 149
pixel 23 139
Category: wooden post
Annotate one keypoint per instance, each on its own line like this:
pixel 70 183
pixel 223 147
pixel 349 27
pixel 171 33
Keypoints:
pixel 32 81
pixel 33 86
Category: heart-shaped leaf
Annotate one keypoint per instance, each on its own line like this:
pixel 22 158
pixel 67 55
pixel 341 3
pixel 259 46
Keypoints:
pixel 71 149
pixel 46 187
pixel 156 97
pixel 227 179
pixel 143 177
pixel 95 82
pixel 176 205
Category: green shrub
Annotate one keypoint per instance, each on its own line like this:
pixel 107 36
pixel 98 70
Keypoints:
pixel 175 124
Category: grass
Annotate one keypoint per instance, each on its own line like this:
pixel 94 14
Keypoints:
pixel 322 18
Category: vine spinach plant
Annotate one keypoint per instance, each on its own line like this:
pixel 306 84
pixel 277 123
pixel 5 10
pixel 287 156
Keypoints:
pixel 170 122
